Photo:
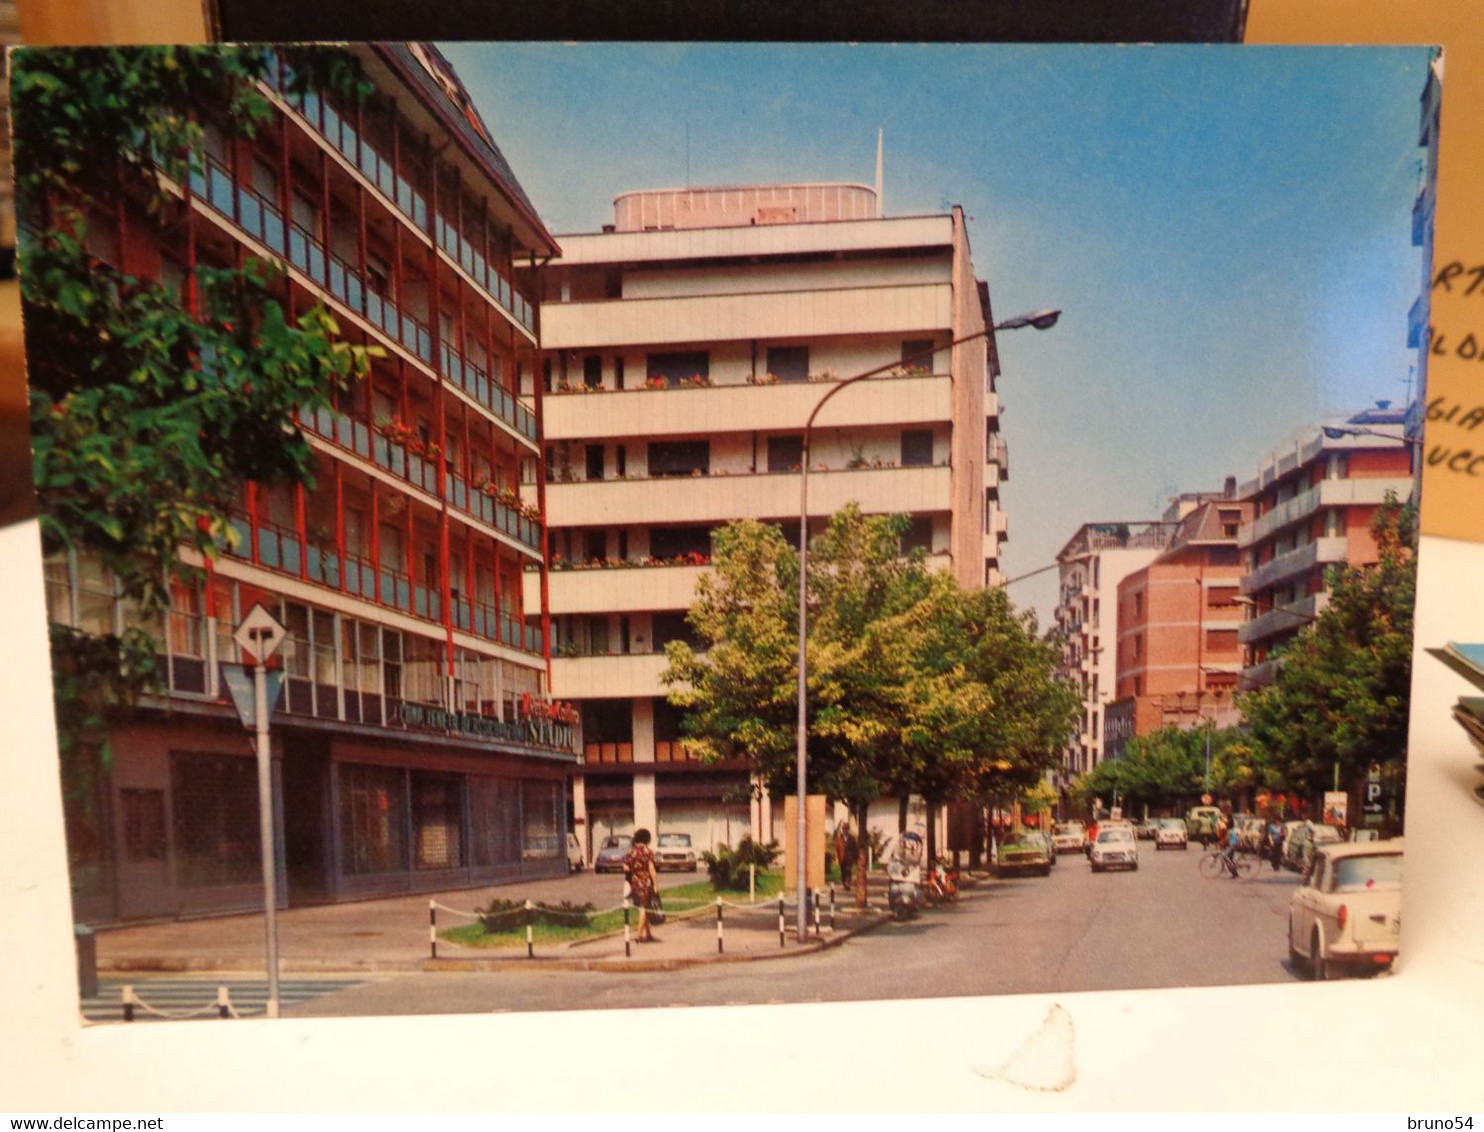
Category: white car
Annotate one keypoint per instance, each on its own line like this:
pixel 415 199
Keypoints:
pixel 1069 836
pixel 1171 833
pixel 1114 848
pixel 1347 915
pixel 574 853
pixel 1300 844
pixel 674 851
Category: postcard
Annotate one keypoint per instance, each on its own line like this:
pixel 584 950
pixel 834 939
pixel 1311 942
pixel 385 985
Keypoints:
pixel 426 439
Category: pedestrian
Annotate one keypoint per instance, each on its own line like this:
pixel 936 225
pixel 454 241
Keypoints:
pixel 845 851
pixel 643 880
pixel 1275 843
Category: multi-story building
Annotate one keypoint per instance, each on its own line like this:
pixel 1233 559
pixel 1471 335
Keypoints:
pixel 1312 505
pixel 1424 217
pixel 1177 656
pixel 415 746
pixel 685 346
pixel 1091 566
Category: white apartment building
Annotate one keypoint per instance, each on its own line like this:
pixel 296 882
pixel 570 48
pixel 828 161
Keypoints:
pixel 684 348
pixel 1093 562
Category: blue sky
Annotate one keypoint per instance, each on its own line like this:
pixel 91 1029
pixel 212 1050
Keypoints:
pixel 1228 229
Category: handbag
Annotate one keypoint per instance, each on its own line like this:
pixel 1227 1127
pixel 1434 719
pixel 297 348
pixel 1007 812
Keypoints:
pixel 656 908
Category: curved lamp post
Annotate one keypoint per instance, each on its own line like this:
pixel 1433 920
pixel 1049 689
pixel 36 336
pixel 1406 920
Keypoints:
pixel 1040 320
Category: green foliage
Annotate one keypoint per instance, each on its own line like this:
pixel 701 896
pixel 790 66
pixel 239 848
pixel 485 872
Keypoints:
pixel 1341 694
pixel 151 406
pixel 1167 768
pixel 914 685
pixel 500 916
pixel 728 867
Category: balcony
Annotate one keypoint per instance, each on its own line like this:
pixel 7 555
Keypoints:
pixel 722 498
pixel 261 221
pixel 378 172
pixel 738 317
pixel 686 411
pixel 999 454
pixel 494 512
pixel 1283 619
pixel 281 550
pixel 615 589
pixel 1329 493
pixel 608 677
pixel 1295 562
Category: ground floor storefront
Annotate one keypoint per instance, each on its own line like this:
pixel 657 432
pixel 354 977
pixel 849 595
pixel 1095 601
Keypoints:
pixel 170 827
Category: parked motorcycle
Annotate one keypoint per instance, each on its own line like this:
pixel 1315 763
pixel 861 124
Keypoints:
pixel 904 889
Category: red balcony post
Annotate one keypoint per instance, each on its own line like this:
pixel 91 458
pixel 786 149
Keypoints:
pixel 376 594
pixel 252 519
pixel 340 524
pixel 301 521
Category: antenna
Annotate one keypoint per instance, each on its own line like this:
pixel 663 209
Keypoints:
pixel 880 145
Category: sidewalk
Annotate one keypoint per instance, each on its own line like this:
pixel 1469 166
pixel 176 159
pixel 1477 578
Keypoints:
pixel 393 935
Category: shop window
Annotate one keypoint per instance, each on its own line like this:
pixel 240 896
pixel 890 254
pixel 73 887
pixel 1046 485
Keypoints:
pixel 437 820
pixel 373 819
pixel 144 824
pixel 494 821
pixel 214 799
pixel 540 821
pixel 789 363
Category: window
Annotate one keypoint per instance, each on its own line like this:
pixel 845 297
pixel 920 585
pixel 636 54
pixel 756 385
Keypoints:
pixel 594 460
pixel 919 535
pixel 1221 640
pixel 785 453
pixel 675 368
pixel 215 803
pixel 680 458
pixel 592 371
pixel 789 363
pixel 1224 556
pixel 1138 605
pixel 671 542
pixel 917 448
pixel 912 351
pixel 1230 521
pixel 1221 597
pixel 618 373
pixel 595 546
pixel 667 627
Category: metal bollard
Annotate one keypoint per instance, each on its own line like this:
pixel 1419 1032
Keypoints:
pixel 530 933
pixel 223 1003
pixel 814 900
pixel 780 922
pixel 719 947
pixel 832 907
pixel 127 996
pixel 627 904
pixel 433 928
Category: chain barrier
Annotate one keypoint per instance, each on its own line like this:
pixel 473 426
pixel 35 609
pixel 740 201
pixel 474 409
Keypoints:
pixel 131 1001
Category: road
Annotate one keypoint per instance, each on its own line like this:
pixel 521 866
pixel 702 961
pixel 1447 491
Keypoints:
pixel 1160 926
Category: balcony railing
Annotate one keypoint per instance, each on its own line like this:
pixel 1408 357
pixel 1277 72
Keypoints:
pixel 343 137
pixel 263 222
pixel 492 512
pixel 280 549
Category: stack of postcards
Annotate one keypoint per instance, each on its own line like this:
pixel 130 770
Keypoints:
pixel 1469 711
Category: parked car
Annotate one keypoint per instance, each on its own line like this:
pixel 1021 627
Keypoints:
pixel 1347 916
pixel 1298 847
pixel 1027 852
pixel 1115 847
pixel 1145 830
pixel 574 854
pixel 674 851
pixel 1170 833
pixel 611 854
pixel 1069 836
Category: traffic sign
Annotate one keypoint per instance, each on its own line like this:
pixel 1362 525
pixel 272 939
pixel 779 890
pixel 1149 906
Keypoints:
pixel 260 633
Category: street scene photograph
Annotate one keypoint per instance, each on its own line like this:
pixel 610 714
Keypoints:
pixel 531 527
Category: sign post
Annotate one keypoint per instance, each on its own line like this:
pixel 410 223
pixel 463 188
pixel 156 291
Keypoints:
pixel 260 634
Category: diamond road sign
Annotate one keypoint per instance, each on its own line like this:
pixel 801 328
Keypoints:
pixel 260 634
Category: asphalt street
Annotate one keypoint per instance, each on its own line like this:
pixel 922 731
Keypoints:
pixel 1160 926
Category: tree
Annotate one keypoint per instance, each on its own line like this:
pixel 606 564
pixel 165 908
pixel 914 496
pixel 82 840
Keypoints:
pixel 151 404
pixel 914 685
pixel 1339 701
pixel 1170 767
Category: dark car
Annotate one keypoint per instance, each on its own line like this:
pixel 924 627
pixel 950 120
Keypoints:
pixel 611 854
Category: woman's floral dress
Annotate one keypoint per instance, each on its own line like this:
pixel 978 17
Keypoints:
pixel 639 864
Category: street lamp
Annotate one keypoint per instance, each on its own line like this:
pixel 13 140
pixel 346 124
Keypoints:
pixel 1039 320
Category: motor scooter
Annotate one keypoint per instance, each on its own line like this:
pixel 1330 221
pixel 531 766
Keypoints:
pixel 904 893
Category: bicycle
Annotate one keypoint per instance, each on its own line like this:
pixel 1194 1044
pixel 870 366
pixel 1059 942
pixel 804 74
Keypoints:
pixel 1215 864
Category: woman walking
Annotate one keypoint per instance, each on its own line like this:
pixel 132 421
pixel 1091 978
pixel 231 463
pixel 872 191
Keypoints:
pixel 638 866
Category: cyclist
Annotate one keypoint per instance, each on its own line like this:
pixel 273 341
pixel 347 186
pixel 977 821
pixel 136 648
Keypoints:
pixel 1229 853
